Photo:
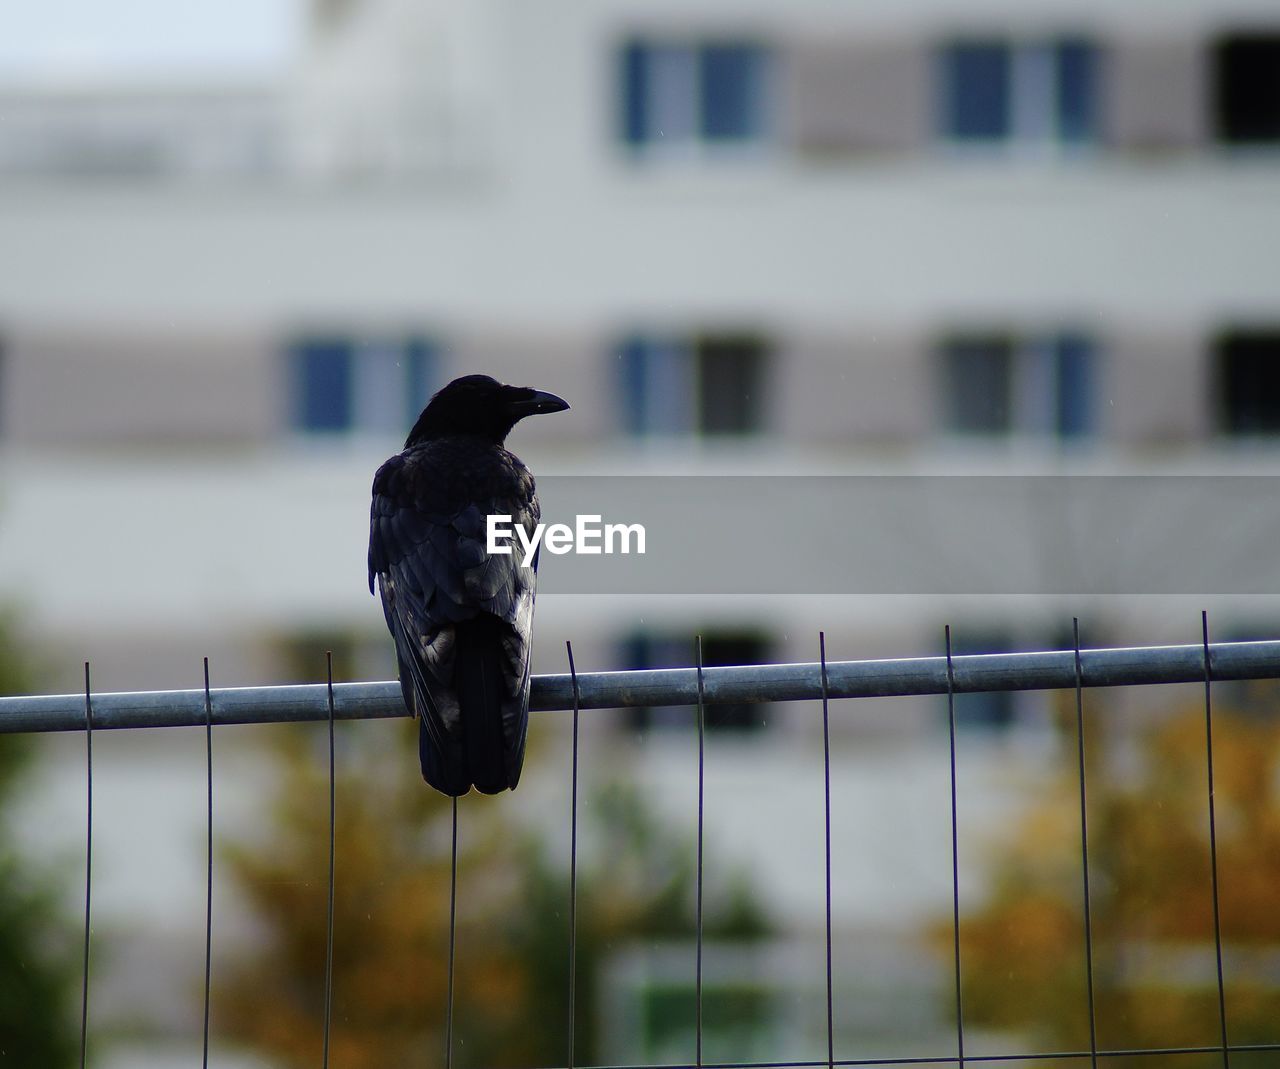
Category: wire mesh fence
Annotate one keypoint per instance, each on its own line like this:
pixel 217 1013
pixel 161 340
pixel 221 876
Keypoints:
pixel 1075 670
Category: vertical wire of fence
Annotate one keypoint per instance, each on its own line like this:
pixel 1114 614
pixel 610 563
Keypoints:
pixel 701 821
pixel 826 828
pixel 1213 840
pixel 88 863
pixel 453 934
pixel 208 870
pixel 955 846
pixel 1084 846
pixel 573 869
pixel 333 854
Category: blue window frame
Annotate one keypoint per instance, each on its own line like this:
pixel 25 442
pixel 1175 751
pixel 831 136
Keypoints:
pixel 1074 375
pixel 997 384
pixel 421 378
pixel 322 384
pixel 646 650
pixel 635 94
pixel 732 77
pixel 977 91
pixel 709 384
pixel 996 91
pixel 678 94
pixel 1000 712
pixel 373 386
pixel 1077 91
pixel 658 386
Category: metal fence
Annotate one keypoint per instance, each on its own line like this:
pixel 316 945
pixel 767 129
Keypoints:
pixel 1073 670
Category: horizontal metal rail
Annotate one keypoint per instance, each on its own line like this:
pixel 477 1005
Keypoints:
pixel 1046 670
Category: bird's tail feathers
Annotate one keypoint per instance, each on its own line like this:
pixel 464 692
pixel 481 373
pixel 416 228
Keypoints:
pixel 477 678
pixel 445 775
pixel 444 766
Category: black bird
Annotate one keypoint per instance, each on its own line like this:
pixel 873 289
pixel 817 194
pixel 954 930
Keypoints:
pixel 460 616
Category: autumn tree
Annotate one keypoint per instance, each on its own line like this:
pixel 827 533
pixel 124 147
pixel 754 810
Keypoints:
pixel 39 970
pixel 1155 975
pixel 392 908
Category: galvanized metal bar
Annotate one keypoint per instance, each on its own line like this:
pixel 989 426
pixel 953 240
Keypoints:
pixel 1047 670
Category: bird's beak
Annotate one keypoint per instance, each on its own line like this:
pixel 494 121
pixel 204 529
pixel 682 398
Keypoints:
pixel 537 402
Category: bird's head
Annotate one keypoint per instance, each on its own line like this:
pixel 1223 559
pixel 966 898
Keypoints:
pixel 480 405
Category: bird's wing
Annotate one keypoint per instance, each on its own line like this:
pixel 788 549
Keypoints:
pixel 427 551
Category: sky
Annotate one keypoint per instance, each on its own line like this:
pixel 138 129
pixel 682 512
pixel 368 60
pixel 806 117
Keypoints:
pixel 65 39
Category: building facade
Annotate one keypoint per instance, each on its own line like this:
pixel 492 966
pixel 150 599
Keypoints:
pixel 742 238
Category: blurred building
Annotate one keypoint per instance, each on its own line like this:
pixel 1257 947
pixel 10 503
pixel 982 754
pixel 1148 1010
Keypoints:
pixel 741 237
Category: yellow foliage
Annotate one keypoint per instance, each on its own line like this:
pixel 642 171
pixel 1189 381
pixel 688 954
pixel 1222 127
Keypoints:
pixel 1155 976
pixel 391 917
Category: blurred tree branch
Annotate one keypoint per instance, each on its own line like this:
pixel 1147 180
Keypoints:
pixel 1155 972
pixel 392 908
pixel 39 967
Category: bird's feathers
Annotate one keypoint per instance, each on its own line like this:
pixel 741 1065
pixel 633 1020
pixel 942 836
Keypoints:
pixel 460 616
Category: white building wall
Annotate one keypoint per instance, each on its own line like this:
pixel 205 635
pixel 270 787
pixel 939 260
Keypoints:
pixel 454 166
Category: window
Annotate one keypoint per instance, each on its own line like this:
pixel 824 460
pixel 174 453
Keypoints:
pixel 985 711
pixel 1007 711
pixel 999 384
pixel 651 999
pixel 1247 89
pixel 977 90
pixel 373 386
pixel 979 375
pixel 1256 698
pixel 1036 92
pixel 647 650
pixel 678 95
pixel 710 384
pixel 1248 375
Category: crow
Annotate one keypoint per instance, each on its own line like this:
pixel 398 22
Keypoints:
pixel 460 616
